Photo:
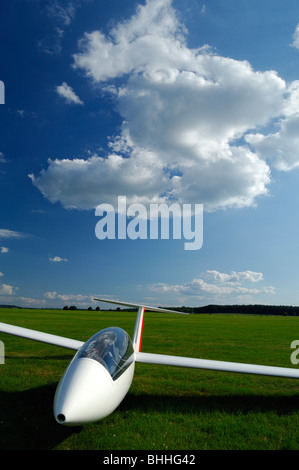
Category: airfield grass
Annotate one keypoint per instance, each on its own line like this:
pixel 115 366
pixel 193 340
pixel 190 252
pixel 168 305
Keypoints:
pixel 167 408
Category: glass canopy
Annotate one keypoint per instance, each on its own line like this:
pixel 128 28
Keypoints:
pixel 112 348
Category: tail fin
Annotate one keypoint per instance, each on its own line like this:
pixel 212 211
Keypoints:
pixel 137 336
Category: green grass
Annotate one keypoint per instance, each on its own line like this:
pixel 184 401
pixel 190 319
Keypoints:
pixel 167 408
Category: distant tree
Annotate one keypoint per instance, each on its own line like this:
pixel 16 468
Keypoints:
pixel 98 309
pixel 89 308
pixel 65 307
pixel 73 307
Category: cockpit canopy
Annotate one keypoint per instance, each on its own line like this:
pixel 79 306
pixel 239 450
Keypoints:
pixel 112 348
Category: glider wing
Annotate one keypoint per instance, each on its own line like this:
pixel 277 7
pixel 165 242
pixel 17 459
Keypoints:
pixel 216 365
pixel 40 336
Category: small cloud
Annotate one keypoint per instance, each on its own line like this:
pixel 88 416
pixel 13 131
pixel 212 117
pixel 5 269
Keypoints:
pixel 6 289
pixel 72 298
pixel 2 159
pixel 64 14
pixel 68 93
pixel 4 249
pixel 22 113
pixel 203 9
pixel 31 302
pixel 57 259
pixel 1 274
pixel 37 211
pixel 50 295
pixel 61 18
pixel 4 233
pixel 295 42
pixel 80 300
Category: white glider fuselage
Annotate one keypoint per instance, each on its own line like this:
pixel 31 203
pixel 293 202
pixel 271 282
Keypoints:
pixel 97 379
pixel 100 374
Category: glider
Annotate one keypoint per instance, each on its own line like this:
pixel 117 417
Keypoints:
pixel 101 372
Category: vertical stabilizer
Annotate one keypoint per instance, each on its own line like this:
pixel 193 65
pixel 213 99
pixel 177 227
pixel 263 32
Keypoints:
pixel 137 336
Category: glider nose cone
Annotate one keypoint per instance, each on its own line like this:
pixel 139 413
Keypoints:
pixel 83 394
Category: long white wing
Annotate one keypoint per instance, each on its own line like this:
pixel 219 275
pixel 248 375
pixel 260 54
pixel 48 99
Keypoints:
pixel 40 336
pixel 161 359
pixel 216 365
pixel 147 307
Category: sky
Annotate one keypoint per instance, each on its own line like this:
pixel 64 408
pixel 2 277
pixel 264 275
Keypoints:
pixel 185 101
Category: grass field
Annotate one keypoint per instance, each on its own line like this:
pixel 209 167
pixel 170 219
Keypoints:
pixel 167 408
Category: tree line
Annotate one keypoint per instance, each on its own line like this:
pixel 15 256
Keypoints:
pixel 255 309
pixel 282 310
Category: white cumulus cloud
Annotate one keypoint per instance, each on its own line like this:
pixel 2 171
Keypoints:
pixel 6 289
pixel 215 286
pixel 192 121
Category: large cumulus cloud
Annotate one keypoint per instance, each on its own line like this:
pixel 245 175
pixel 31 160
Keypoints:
pixel 194 123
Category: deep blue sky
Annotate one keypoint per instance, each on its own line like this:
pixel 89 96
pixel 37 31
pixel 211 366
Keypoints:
pixel 105 98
